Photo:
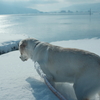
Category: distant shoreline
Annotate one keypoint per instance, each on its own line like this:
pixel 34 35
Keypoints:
pixel 30 14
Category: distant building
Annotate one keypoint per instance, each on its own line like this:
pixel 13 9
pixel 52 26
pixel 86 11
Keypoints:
pixel 70 11
pixel 62 11
pixel 90 12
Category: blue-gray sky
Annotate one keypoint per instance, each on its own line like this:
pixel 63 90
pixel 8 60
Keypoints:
pixel 48 5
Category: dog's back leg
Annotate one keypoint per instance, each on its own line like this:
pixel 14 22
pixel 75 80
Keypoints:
pixel 87 85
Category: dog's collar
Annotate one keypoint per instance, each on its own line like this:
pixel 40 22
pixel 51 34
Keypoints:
pixel 36 44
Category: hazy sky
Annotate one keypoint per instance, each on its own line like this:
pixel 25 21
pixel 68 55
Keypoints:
pixel 47 5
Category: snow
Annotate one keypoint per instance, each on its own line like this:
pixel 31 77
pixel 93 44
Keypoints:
pixel 9 42
pixel 92 45
pixel 20 81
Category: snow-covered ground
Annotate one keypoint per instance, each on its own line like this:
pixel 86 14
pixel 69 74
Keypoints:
pixel 20 81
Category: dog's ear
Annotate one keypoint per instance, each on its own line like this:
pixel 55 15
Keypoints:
pixel 24 44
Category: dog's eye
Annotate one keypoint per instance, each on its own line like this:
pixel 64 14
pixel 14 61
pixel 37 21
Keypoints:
pixel 22 46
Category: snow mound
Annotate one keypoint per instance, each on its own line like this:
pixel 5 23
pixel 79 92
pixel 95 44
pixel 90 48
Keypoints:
pixel 10 42
pixel 9 46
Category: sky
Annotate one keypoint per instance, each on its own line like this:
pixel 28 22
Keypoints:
pixel 48 5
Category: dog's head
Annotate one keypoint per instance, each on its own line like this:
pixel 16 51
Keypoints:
pixel 23 50
pixel 26 48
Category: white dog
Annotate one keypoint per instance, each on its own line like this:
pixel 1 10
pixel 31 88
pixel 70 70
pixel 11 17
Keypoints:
pixel 65 65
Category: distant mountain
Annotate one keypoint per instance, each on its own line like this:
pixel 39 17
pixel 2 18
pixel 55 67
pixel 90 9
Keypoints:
pixel 15 9
pixel 83 7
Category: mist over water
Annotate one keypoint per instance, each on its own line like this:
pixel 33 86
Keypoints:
pixel 52 27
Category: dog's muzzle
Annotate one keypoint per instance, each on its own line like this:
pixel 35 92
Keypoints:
pixel 23 58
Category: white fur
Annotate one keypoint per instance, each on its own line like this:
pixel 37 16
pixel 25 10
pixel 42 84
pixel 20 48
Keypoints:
pixel 65 65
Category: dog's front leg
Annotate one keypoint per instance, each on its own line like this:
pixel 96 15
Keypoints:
pixel 43 71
